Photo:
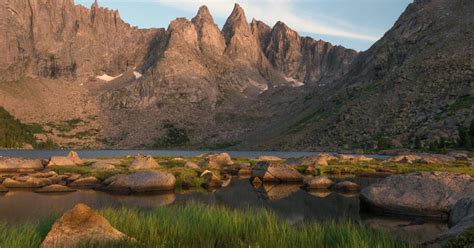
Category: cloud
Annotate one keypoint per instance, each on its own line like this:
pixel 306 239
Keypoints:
pixel 271 11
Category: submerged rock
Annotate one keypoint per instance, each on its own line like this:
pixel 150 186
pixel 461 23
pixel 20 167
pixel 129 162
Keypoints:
pixel 141 162
pixel 55 188
pixel 20 164
pixel 319 182
pixel 80 225
pixel 430 194
pixel 272 172
pixel 345 186
pixel 141 182
pixel 26 182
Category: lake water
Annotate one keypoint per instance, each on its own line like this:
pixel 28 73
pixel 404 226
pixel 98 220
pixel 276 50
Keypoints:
pixel 288 201
pixel 164 153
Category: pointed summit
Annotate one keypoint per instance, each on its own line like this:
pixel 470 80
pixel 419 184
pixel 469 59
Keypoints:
pixel 95 5
pixel 203 14
pixel 209 35
pixel 236 23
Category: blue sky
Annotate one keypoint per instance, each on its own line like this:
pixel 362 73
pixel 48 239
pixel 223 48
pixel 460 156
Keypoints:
pixel 354 24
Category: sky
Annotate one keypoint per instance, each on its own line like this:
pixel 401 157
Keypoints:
pixel 355 24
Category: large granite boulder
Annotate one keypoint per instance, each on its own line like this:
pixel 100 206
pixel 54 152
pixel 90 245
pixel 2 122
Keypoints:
pixel 141 162
pixel 319 182
pixel 422 159
pixel 462 209
pixel 26 182
pixel 191 165
pixel 272 172
pixel 140 182
pixel 72 159
pixel 81 225
pixel 430 194
pixel 20 164
pixel 217 161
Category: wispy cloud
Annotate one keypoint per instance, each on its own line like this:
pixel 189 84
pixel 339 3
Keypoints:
pixel 271 11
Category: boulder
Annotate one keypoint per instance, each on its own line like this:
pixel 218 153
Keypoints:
pixel 269 158
pixel 460 155
pixel 422 159
pixel 272 172
pixel 72 176
pixel 212 180
pixel 75 158
pixel 43 174
pixel 191 165
pixel 20 164
pixel 81 225
pixel 461 221
pixel 428 194
pixel 310 170
pixel 141 162
pixel 345 186
pixel 276 192
pixel 108 164
pixel 354 158
pixel 140 182
pixel 26 182
pixel 54 188
pixel 462 209
pixel 85 182
pixel 217 161
pixel 319 182
pixel 72 159
pixel 321 159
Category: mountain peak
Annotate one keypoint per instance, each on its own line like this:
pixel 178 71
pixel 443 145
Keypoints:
pixel 236 23
pixel 95 5
pixel 203 14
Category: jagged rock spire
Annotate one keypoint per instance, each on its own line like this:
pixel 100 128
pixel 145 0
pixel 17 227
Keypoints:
pixel 95 4
pixel 236 23
pixel 203 14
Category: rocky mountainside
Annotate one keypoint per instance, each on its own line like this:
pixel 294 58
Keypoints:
pixel 415 83
pixel 94 81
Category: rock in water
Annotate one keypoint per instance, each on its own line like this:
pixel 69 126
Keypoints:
pixel 429 194
pixel 141 182
pixel 75 158
pixel 318 182
pixel 345 186
pixel 271 172
pixel 213 181
pixel 269 158
pixel 143 163
pixel 20 164
pixel 79 225
pixel 26 182
pixel 55 188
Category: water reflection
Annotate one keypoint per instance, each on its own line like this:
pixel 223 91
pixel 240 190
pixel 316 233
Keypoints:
pixel 288 201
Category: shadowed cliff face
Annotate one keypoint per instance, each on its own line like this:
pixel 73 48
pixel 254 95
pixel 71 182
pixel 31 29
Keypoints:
pixel 192 77
pixel 416 81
